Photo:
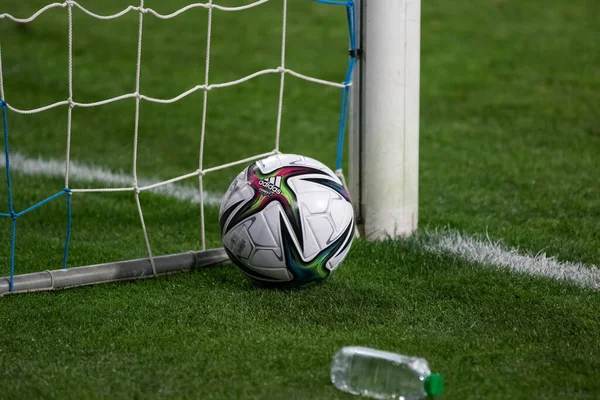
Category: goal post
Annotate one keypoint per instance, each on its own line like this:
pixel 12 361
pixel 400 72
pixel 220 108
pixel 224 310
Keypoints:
pixel 384 134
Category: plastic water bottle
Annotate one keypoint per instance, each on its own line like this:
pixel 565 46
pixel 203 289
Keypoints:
pixel 383 375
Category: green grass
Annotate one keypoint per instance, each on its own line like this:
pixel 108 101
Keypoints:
pixel 509 142
pixel 510 123
pixel 210 334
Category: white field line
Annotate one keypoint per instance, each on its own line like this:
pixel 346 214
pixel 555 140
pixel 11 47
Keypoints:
pixel 495 254
pixel 83 173
pixel 482 252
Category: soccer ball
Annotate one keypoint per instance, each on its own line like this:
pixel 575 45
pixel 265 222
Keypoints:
pixel 286 221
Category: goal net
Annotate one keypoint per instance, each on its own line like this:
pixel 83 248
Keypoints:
pixel 64 275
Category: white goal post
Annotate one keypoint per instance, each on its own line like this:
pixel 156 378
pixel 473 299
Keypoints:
pixel 384 134
pixel 383 138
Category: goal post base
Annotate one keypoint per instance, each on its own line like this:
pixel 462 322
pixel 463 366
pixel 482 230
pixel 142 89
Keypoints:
pixel 112 272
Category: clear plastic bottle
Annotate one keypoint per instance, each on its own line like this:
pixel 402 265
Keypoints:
pixel 383 375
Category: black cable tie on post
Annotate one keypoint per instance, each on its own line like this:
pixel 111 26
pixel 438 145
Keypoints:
pixel 357 53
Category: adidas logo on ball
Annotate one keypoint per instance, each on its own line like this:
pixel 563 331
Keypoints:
pixel 273 184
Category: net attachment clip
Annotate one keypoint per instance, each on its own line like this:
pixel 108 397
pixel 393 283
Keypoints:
pixel 356 53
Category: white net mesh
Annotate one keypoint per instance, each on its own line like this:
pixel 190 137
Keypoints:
pixel 70 102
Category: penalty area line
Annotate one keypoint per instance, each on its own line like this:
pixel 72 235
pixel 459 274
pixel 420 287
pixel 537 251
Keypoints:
pixel 495 254
pixel 84 173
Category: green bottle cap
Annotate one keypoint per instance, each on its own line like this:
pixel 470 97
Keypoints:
pixel 434 385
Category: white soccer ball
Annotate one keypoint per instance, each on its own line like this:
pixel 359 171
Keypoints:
pixel 287 221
